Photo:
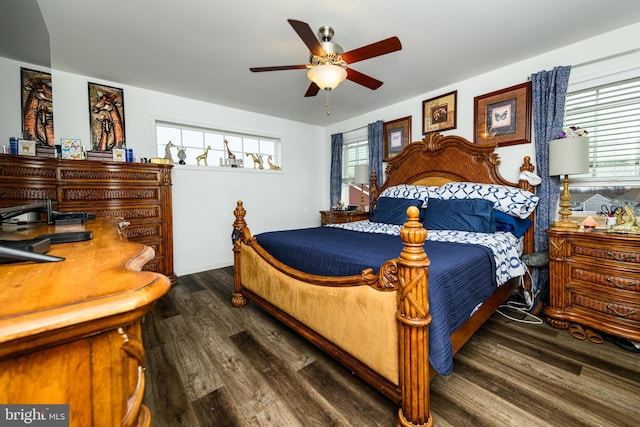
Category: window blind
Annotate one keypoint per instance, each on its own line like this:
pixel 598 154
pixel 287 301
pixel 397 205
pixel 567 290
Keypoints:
pixel 355 151
pixel 611 115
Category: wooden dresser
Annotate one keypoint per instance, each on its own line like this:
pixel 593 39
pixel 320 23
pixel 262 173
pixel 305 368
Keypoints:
pixel 595 281
pixel 339 217
pixel 139 193
pixel 70 330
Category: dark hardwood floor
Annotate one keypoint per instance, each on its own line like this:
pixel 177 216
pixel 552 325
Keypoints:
pixel 210 364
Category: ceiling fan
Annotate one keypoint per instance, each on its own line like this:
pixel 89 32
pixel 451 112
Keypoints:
pixel 329 64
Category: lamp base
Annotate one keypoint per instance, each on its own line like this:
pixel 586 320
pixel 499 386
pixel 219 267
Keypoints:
pixel 566 225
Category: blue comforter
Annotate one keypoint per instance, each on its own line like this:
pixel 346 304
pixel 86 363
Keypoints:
pixel 461 276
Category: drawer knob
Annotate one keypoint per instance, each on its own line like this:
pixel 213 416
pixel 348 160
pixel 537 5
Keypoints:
pixel 621 285
pixel 617 313
pixel 627 257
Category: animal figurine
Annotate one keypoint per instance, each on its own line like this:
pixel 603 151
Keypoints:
pixel 182 155
pixel 230 155
pixel 167 151
pixel 203 156
pixel 257 160
pixel 271 165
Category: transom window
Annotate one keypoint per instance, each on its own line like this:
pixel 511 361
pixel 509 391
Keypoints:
pixel 195 140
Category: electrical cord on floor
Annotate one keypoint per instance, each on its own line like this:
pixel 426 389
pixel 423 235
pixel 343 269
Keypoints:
pixel 523 308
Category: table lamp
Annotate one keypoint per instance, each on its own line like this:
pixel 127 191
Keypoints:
pixel 568 156
pixel 361 177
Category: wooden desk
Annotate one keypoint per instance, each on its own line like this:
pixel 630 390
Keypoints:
pixel 70 330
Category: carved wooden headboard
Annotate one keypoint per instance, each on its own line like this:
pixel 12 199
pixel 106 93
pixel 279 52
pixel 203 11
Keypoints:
pixel 439 159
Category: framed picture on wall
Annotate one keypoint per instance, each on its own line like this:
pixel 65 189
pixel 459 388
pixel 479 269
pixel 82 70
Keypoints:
pixel 439 113
pixel 504 116
pixel 106 117
pixel 37 106
pixel 397 135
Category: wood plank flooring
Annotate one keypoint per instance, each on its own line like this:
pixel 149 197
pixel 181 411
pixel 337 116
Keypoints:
pixel 210 364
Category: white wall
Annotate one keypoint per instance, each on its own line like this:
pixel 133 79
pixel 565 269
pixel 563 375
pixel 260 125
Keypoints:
pixel 608 44
pixel 203 198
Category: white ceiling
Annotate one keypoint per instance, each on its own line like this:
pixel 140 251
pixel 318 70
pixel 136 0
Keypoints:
pixel 202 49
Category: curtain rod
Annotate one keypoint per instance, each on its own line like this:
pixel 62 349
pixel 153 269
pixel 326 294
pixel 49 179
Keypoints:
pixel 604 58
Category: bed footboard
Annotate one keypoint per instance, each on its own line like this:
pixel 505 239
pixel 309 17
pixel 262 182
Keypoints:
pixel 412 316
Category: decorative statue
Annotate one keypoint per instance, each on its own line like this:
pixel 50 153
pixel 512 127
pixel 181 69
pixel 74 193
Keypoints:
pixel 182 155
pixel 230 155
pixel 167 151
pixel 203 156
pixel 626 221
pixel 257 160
pixel 271 165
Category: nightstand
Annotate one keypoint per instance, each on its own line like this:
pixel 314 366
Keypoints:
pixel 594 280
pixel 339 217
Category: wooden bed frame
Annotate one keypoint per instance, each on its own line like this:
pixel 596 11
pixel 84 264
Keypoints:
pixel 433 161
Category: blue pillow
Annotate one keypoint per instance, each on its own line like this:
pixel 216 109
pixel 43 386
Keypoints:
pixel 460 214
pixel 505 222
pixel 391 210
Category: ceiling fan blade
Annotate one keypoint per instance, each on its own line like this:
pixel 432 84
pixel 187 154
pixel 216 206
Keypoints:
pixel 308 36
pixel 363 79
pixel 278 68
pixel 372 50
pixel 312 90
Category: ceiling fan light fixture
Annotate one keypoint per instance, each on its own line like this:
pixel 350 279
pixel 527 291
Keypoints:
pixel 327 76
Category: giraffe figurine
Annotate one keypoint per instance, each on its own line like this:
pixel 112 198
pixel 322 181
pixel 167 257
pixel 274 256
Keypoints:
pixel 230 155
pixel 203 156
pixel 257 160
pixel 167 151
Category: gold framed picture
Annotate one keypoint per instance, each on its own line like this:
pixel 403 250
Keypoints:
pixel 397 135
pixel 503 116
pixel 440 113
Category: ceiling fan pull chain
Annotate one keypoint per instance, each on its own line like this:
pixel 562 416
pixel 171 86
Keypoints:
pixel 327 103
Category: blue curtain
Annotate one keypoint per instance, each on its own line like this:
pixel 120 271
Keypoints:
pixel 374 132
pixel 335 181
pixel 549 92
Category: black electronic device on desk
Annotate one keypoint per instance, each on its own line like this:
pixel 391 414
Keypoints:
pixel 34 249
pixel 53 217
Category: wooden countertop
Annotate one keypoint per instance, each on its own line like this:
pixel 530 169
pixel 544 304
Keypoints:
pixel 98 286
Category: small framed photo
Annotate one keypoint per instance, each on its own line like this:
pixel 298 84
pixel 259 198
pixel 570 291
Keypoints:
pixel 26 147
pixel 504 116
pixel 119 155
pixel 440 113
pixel 71 149
pixel 397 135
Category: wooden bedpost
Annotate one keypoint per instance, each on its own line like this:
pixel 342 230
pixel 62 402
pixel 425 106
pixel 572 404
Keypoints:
pixel 413 324
pixel 239 228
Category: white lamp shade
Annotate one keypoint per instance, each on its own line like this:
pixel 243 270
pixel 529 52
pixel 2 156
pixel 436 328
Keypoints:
pixel 327 76
pixel 568 156
pixel 361 173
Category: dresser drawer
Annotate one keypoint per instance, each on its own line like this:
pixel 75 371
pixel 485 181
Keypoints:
pixel 595 251
pixel 130 213
pixel 110 193
pixel 144 232
pixel 606 305
pixel 607 279
pixel 18 194
pixel 110 173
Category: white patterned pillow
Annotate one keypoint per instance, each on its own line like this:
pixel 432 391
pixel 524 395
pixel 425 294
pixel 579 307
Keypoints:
pixel 510 200
pixel 407 191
